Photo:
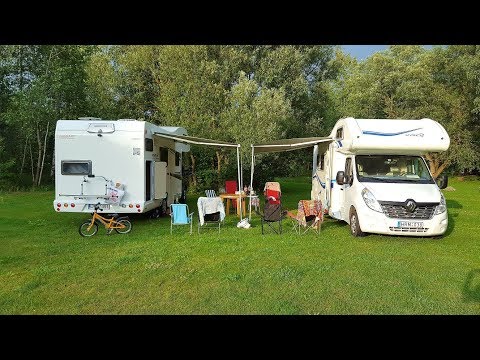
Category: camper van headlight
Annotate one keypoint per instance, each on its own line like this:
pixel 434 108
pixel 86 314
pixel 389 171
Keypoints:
pixel 440 209
pixel 370 200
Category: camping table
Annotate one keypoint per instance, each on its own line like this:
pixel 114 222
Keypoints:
pixel 228 197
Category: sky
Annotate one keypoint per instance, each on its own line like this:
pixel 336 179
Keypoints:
pixel 361 52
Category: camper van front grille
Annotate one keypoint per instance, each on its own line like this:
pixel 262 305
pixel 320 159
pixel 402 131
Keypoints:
pixel 398 211
pixel 411 229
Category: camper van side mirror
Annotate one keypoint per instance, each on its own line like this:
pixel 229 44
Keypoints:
pixel 340 177
pixel 91 175
pixel 442 181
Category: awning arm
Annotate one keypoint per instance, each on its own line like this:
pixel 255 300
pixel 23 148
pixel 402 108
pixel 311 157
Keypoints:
pixel 197 140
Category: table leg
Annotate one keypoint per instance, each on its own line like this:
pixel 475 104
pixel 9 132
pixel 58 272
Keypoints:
pixel 228 206
pixel 239 207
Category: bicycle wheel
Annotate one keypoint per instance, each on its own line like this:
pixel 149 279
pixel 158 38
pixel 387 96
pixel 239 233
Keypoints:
pixel 83 229
pixel 126 229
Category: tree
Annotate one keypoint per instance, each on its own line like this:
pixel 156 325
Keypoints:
pixel 47 83
pixel 412 82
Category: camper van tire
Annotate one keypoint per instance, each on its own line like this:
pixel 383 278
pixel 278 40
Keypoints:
pixel 83 229
pixel 355 228
pixel 155 213
pixel 128 226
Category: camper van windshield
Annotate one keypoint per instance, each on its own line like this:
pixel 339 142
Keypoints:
pixel 392 169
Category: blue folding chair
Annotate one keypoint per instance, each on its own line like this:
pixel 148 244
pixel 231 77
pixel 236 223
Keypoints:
pixel 180 215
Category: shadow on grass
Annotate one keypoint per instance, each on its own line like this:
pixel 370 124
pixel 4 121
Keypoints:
pixel 453 204
pixel 333 224
pixel 451 223
pixel 471 287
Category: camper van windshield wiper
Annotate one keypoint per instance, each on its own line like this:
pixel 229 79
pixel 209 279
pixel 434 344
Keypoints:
pixel 375 178
pixel 394 180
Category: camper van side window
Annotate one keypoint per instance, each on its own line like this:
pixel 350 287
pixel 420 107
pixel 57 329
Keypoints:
pixel 349 170
pixel 177 159
pixel 148 144
pixel 339 135
pixel 76 167
pixel 164 155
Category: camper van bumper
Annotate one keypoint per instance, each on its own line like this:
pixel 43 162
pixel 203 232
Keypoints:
pixel 378 223
pixel 76 206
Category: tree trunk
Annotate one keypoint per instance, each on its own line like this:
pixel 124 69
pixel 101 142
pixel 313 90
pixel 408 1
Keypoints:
pixel 31 163
pixel 43 157
pixel 194 176
pixel 39 157
pixel 24 153
pixel 435 166
pixel 52 169
pixel 219 161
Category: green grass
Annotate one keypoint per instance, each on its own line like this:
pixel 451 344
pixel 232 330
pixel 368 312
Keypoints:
pixel 47 268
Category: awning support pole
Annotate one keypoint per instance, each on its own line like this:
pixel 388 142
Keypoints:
pixel 238 169
pixel 251 184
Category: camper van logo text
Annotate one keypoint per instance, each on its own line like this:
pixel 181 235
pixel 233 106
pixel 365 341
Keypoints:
pixel 407 133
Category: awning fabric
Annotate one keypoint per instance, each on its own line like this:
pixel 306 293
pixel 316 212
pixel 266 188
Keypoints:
pixel 292 144
pixel 196 140
pixel 208 142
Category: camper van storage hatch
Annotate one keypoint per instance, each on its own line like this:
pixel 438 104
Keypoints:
pixel 103 128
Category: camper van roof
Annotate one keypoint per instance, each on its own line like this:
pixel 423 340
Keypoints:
pixel 120 125
pixel 172 130
pixel 405 136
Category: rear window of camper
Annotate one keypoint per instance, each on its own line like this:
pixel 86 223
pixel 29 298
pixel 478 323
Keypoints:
pixel 77 167
pixel 148 144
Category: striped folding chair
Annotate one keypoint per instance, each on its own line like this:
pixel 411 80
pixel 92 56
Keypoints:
pixel 210 193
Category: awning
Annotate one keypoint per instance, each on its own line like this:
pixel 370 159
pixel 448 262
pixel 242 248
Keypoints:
pixel 286 145
pixel 196 140
pixel 208 142
pixel 292 144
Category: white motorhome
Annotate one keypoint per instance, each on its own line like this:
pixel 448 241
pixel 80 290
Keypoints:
pixel 92 156
pixel 374 177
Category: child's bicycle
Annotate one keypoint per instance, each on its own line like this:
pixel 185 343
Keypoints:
pixel 122 225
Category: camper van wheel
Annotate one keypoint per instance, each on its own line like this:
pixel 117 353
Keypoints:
pixel 155 214
pixel 355 224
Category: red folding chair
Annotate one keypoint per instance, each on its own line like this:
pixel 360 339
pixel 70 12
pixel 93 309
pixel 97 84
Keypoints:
pixel 230 187
pixel 272 192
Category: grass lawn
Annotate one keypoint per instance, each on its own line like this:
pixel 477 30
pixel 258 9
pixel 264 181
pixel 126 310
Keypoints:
pixel 46 267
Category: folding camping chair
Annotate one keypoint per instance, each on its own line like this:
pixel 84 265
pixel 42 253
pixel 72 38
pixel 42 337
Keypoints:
pixel 272 192
pixel 309 216
pixel 272 216
pixel 272 213
pixel 210 212
pixel 230 188
pixel 180 215
pixel 210 193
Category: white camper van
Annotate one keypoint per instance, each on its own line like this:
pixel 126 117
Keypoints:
pixel 120 164
pixel 373 176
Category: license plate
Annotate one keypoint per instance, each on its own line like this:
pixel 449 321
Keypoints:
pixel 410 224
pixel 101 206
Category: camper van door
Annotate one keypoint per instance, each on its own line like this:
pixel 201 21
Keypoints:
pixel 347 188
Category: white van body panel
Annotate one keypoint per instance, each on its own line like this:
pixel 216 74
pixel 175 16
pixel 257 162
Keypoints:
pixel 116 150
pixel 380 137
